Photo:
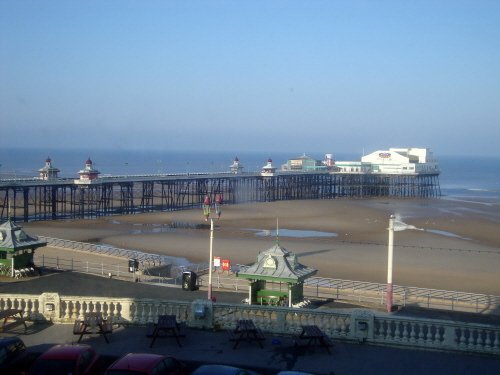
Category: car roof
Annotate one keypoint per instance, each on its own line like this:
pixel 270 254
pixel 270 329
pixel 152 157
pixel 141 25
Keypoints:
pixel 221 370
pixel 137 361
pixel 65 351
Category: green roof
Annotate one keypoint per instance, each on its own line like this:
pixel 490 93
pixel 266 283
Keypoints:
pixel 277 264
pixel 13 237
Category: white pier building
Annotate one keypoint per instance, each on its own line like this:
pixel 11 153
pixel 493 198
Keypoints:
pixel 397 161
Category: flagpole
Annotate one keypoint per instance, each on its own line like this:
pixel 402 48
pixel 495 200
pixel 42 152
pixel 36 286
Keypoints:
pixel 390 250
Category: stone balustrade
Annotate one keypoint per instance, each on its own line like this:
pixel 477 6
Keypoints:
pixel 437 334
pixel 355 325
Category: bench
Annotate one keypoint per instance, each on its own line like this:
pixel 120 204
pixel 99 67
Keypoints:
pixel 181 330
pixel 93 323
pixel 12 314
pixel 314 336
pixel 232 336
pixel 246 331
pixel 166 326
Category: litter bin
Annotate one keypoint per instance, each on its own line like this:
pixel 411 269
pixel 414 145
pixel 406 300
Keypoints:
pixel 188 280
pixel 133 265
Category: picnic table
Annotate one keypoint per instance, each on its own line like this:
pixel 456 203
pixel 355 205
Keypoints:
pixel 246 331
pixel 12 314
pixel 167 326
pixel 93 323
pixel 314 336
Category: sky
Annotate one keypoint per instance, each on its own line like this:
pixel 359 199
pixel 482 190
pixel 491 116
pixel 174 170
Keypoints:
pixel 288 76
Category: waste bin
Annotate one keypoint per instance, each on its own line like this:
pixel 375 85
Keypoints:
pixel 188 280
pixel 133 265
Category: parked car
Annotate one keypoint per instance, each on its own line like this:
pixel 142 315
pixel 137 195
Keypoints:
pixel 13 354
pixel 66 359
pixel 146 364
pixel 221 370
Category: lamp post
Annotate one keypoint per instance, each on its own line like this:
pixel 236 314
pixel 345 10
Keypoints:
pixel 390 252
pixel 206 212
pixel 210 260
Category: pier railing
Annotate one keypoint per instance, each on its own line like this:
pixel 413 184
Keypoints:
pixel 354 325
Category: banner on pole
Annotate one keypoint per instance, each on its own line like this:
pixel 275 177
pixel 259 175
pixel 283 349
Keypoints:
pixel 226 265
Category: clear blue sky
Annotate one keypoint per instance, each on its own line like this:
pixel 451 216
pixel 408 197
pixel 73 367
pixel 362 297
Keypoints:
pixel 298 76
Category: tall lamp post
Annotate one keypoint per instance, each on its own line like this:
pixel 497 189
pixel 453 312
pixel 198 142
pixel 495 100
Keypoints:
pixel 390 251
pixel 210 260
pixel 207 202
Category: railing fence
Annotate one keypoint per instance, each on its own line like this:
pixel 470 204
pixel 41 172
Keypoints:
pixel 315 287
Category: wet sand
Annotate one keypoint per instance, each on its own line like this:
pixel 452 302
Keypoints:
pixel 456 245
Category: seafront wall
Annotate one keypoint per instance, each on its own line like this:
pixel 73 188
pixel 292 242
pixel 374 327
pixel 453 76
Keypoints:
pixel 360 292
pixel 358 325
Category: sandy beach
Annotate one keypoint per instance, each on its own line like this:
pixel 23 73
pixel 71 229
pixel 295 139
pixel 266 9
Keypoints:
pixel 454 245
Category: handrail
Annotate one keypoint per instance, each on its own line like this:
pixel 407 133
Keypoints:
pixel 141 256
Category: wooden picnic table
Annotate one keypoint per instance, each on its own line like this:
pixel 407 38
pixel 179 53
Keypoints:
pixel 167 326
pixel 93 323
pixel 246 331
pixel 315 336
pixel 12 314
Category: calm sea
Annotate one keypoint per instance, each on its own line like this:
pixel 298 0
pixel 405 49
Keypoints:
pixel 461 177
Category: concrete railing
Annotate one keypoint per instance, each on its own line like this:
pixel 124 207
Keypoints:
pixel 354 325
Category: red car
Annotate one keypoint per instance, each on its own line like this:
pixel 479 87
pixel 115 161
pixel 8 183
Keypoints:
pixel 66 359
pixel 146 364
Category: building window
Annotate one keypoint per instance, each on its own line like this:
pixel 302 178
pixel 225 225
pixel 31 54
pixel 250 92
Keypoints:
pixel 3 255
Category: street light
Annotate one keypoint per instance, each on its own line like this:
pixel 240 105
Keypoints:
pixel 390 251
pixel 207 202
pixel 210 259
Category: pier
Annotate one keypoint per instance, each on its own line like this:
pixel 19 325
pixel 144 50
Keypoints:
pixel 38 199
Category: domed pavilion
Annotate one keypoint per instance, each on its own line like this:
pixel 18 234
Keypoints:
pixel 277 278
pixel 48 172
pixel 16 247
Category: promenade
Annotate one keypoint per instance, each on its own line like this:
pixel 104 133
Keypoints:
pixel 208 346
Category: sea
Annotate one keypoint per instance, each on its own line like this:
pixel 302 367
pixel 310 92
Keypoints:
pixel 471 178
